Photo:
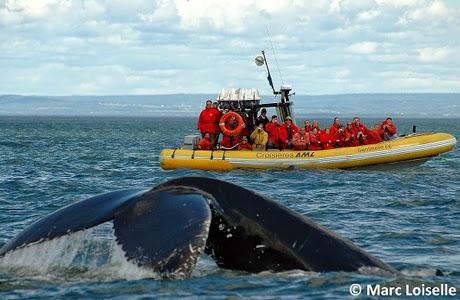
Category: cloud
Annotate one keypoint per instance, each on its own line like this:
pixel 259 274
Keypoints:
pixel 367 15
pixel 434 54
pixel 169 46
pixel 363 48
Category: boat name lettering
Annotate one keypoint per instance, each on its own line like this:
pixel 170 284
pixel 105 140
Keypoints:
pixel 305 154
pixel 375 148
pixel 284 154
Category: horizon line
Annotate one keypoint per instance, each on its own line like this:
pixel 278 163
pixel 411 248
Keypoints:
pixel 197 94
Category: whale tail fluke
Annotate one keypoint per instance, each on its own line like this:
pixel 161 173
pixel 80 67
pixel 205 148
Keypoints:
pixel 165 229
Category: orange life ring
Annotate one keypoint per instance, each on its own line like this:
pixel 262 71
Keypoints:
pixel 225 118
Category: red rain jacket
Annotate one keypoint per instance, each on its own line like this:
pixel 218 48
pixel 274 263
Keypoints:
pixel 209 120
pixel 373 137
pixel 273 133
pixel 333 129
pixel 205 144
pixel 284 132
pixel 315 143
pixel 325 140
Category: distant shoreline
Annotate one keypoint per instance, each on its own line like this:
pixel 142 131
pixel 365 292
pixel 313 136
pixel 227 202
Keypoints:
pixel 410 105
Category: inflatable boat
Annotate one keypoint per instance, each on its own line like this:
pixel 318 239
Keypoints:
pixel 410 149
pixel 415 148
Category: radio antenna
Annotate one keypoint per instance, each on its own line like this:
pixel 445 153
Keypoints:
pixel 274 52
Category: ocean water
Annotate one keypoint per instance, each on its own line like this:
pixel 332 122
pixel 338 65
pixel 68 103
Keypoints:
pixel 409 218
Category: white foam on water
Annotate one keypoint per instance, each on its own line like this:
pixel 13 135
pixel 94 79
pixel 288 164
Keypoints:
pixel 89 254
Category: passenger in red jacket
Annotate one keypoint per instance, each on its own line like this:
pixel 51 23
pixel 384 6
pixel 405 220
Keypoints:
pixel 335 126
pixel 359 131
pixel 308 126
pixel 288 129
pixel 325 139
pixel 315 124
pixel 206 142
pixel 339 138
pixel 230 142
pixel 273 129
pixel 209 120
pixel 244 144
pixel 350 137
pixel 359 127
pixel 389 129
pixel 315 143
pixel 373 136
pixel 301 140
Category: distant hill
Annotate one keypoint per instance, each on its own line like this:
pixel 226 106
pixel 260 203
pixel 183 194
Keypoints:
pixel 365 105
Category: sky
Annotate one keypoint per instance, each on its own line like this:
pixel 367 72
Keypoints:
pixel 114 47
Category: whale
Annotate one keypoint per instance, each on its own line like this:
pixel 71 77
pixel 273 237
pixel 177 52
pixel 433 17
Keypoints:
pixel 168 227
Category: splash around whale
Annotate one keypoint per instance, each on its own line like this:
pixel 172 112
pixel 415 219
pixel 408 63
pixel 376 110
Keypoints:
pixel 167 228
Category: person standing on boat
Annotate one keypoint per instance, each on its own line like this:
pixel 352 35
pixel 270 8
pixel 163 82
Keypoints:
pixel 263 117
pixel 301 139
pixel 288 129
pixel 273 129
pixel 209 121
pixel 259 138
pixel 335 126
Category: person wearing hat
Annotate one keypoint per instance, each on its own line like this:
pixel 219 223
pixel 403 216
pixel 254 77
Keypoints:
pixel 263 117
pixel 288 129
pixel 259 138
